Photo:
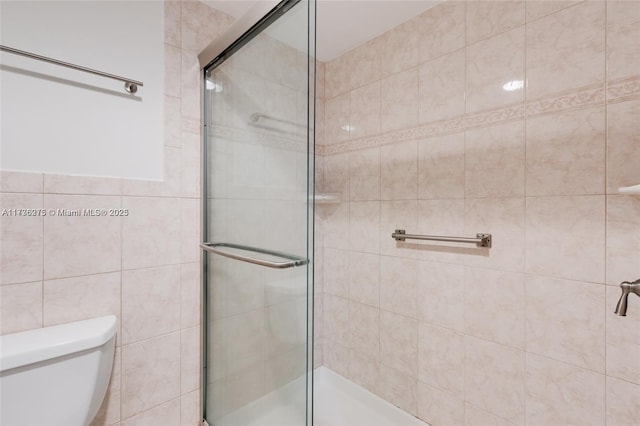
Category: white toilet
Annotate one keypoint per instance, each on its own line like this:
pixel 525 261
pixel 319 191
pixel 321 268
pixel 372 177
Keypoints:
pixel 56 376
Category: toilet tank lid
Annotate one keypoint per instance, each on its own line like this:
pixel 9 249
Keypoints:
pixel 41 344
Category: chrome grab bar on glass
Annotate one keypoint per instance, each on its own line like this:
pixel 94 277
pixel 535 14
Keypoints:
pixel 481 240
pixel 293 261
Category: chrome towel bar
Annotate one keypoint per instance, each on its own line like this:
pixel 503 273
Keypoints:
pixel 130 85
pixel 481 240
pixel 217 248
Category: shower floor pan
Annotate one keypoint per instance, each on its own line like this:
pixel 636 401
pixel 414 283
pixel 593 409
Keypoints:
pixel 338 402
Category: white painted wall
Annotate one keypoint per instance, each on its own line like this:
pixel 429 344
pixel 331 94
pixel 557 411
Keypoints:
pixel 63 121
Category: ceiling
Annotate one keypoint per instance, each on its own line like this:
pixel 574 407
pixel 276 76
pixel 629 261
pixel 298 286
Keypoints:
pixel 341 24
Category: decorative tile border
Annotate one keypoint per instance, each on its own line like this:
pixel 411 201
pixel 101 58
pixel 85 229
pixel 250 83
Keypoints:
pixel 616 91
pixel 495 116
pixel 443 127
pixel 579 98
pixel 435 128
pixel 623 89
pixel 566 101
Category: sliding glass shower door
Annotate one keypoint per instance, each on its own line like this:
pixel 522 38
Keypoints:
pixel 258 179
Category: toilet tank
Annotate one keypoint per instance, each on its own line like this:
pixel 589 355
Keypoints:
pixel 58 375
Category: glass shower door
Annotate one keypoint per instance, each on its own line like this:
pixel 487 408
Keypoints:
pixel 258 234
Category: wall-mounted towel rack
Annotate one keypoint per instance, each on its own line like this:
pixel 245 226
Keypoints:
pixel 130 85
pixel 481 240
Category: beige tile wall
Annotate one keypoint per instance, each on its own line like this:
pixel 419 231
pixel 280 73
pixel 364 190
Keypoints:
pixel 420 134
pixel 143 268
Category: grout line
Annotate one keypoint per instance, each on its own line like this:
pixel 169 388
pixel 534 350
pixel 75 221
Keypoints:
pixel 148 339
pixel 524 231
pixel 104 272
pixel 584 369
pixel 148 409
pixel 485 267
pixel 606 184
pixel 539 18
pixel 464 208
pixel 625 380
pixel 379 259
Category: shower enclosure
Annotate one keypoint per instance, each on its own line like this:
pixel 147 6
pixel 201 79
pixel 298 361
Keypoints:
pixel 258 221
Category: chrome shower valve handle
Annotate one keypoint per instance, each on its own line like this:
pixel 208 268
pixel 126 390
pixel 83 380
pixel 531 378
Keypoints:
pixel 627 288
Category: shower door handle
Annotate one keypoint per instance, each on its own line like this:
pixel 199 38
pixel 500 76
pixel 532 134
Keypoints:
pixel 219 248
